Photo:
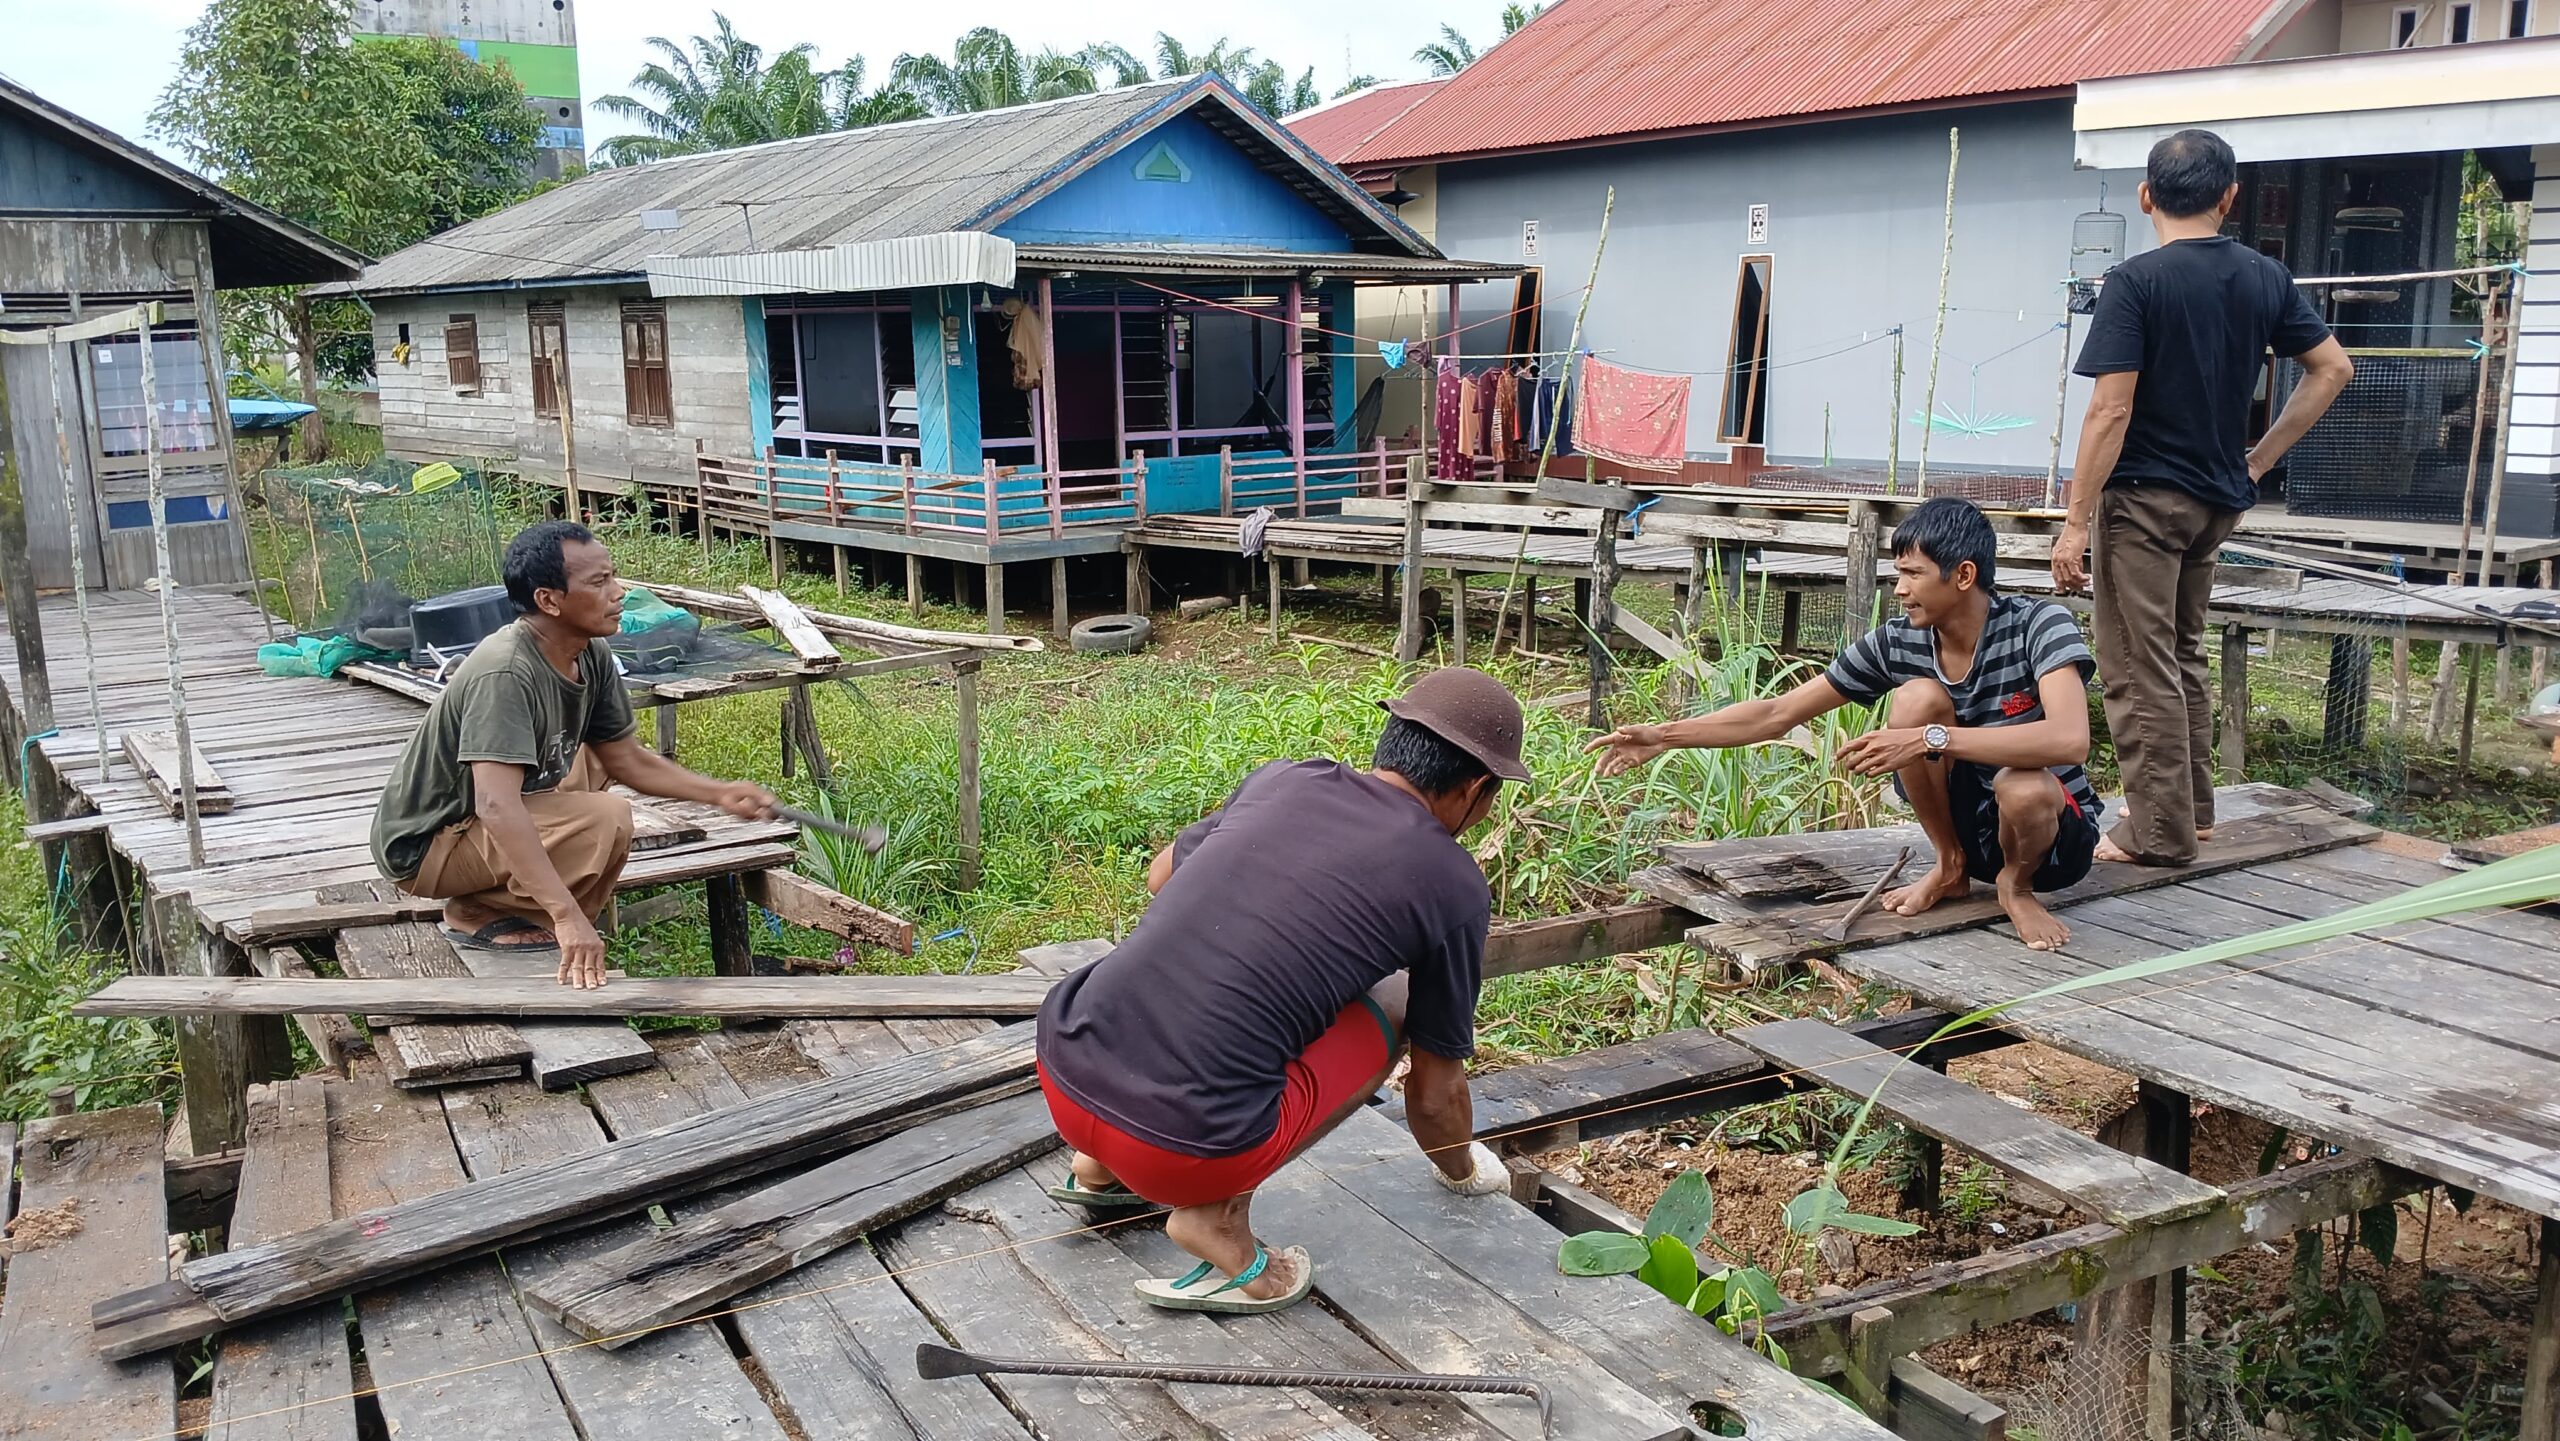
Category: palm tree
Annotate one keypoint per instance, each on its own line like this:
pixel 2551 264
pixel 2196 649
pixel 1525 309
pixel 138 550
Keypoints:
pixel 987 71
pixel 1449 54
pixel 715 93
pixel 1174 58
pixel 1514 16
pixel 1355 85
pixel 855 108
pixel 1125 68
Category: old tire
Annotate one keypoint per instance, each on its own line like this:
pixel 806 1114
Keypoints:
pixel 1111 634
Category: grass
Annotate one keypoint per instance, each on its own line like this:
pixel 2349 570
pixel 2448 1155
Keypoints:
pixel 42 1046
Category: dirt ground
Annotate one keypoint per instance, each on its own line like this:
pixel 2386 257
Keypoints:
pixel 2463 1280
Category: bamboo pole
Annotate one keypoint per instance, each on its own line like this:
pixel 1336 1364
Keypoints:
pixel 169 607
pixel 1893 422
pixel 2061 409
pixel 1938 338
pixel 80 561
pixel 2440 704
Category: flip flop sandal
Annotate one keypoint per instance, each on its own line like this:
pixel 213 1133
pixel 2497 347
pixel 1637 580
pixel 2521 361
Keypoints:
pixel 1191 1291
pixel 1100 1198
pixel 491 937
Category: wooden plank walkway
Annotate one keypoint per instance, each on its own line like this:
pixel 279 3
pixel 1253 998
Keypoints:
pixel 1411 1277
pixel 304 760
pixel 1547 555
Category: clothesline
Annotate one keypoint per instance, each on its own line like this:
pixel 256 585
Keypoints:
pixel 1422 347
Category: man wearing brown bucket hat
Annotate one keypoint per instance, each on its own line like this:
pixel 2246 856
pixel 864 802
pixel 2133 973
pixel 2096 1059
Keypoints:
pixel 1301 938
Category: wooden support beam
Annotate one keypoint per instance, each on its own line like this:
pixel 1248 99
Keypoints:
pixel 2235 704
pixel 736 1143
pixel 1859 576
pixel 732 932
pixel 334 1038
pixel 995 592
pixel 800 901
pixel 2542 1349
pixel 1409 623
pixel 1059 620
pixel 1598 621
pixel 746 997
pixel 915 584
pixel 966 674
pixel 1925 1406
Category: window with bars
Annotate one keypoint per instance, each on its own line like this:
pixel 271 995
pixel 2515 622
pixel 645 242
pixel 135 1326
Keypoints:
pixel 181 393
pixel 462 353
pixel 646 398
pixel 550 330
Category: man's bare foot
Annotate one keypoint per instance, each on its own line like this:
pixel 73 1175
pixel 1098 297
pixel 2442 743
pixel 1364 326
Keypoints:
pixel 2108 850
pixel 2204 833
pixel 2038 927
pixel 1946 881
pixel 1279 1277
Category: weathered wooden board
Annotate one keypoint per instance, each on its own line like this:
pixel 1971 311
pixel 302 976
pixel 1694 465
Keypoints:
pixel 2103 1182
pixel 92 1220
pixel 8 1185
pixel 290 1378
pixel 654 828
pixel 673 1385
pixel 1625 1332
pixel 565 1053
pixel 1753 940
pixel 1433 1314
pixel 155 755
pixel 803 902
pixel 995 996
pixel 412 1055
pixel 333 1038
pixel 684 1270
pixel 792 623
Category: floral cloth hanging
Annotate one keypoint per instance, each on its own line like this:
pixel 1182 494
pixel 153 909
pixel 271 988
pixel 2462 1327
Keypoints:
pixel 1631 417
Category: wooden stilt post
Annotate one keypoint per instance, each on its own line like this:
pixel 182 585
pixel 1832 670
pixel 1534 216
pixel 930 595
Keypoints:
pixel 2400 687
pixel 80 561
pixel 966 673
pixel 666 729
pixel 2129 1338
pixel 2541 668
pixel 1791 622
pixel 1458 617
pixel 168 609
pixel 2470 713
pixel 2542 1347
pixel 915 584
pixel 1866 527
pixel 1133 581
pixel 1059 622
pixel 995 597
pixel 843 566
pixel 1273 563
pixel 2235 704
pixel 1596 622
pixel 732 932
pixel 1409 627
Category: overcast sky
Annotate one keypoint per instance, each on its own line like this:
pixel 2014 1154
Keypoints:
pixel 109 59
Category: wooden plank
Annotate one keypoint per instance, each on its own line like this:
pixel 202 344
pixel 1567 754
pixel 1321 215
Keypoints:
pixel 413 1055
pixel 681 1271
pixel 8 1185
pixel 91 1222
pixel 792 624
pixel 848 627
pixel 1647 636
pixel 1094 1282
pixel 1011 995
pixel 1060 957
pixel 1514 947
pixel 565 1053
pixel 333 1038
pixel 654 829
pixel 155 755
pixel 1627 1333
pixel 2511 943
pixel 289 1378
pixel 1783 936
pixel 1929 1407
pixel 2100 1180
pixel 673 1385
pixel 801 901
pixel 2542 1349
pixel 821 1119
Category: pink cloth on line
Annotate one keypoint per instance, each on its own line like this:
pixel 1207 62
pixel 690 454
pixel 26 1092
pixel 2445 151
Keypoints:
pixel 1450 443
pixel 1632 417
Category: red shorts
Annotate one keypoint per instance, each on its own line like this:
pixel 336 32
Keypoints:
pixel 1334 1072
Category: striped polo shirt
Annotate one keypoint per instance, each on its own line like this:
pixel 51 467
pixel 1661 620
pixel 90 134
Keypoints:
pixel 2023 641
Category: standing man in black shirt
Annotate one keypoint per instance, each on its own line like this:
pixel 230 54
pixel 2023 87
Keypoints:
pixel 2165 470
pixel 1301 937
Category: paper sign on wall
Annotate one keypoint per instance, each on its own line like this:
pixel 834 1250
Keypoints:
pixel 1528 240
pixel 1758 226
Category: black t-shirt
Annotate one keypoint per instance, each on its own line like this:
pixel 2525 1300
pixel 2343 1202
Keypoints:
pixel 1314 883
pixel 2197 318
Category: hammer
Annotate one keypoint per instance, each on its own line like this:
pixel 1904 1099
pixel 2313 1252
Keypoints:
pixel 870 838
pixel 1866 903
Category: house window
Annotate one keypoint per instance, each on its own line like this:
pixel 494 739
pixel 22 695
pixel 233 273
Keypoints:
pixel 180 392
pixel 2519 19
pixel 550 358
pixel 646 399
pixel 1745 418
pixel 2457 25
pixel 462 353
pixel 2404 26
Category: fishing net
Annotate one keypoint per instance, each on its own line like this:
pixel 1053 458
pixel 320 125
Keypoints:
pixel 2398 443
pixel 351 542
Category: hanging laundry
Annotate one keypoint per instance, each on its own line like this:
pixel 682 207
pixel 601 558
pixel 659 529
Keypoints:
pixel 1470 428
pixel 1632 417
pixel 1448 399
pixel 1538 410
pixel 1501 397
pixel 1392 352
pixel 1025 338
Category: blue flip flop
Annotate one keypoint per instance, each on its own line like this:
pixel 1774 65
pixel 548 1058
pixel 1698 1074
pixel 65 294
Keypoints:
pixel 1192 1292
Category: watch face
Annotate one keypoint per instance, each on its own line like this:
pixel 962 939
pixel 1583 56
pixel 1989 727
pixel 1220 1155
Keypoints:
pixel 1935 736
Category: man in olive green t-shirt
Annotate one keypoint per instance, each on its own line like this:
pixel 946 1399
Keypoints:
pixel 498 804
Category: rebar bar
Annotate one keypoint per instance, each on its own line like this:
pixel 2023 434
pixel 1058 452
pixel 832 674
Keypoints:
pixel 935 1363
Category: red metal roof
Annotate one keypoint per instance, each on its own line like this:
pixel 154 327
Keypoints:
pixel 1338 128
pixel 1589 70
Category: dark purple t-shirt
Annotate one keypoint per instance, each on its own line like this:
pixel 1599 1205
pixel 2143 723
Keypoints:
pixel 1314 883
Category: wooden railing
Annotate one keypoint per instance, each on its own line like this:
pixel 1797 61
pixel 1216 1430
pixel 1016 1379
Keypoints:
pixel 755 494
pixel 1315 484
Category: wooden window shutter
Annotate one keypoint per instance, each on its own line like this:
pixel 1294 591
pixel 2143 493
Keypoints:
pixel 462 352
pixel 647 398
pixel 549 329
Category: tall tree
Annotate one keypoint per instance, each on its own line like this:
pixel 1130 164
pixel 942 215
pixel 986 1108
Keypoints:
pixel 987 71
pixel 855 106
pixel 1234 63
pixel 1449 54
pixel 718 91
pixel 375 145
pixel 1125 68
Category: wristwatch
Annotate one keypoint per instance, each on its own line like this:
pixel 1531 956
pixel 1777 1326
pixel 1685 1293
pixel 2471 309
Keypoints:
pixel 1935 738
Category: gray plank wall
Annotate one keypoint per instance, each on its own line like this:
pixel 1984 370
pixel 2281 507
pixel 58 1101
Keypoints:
pixel 424 418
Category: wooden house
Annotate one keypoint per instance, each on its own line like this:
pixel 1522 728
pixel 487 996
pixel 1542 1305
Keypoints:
pixel 981 338
pixel 90 223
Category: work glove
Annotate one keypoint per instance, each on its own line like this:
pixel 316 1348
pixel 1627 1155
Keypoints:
pixel 1489 1176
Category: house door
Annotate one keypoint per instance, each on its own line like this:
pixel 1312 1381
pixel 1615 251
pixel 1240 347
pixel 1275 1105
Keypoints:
pixel 25 370
pixel 195 479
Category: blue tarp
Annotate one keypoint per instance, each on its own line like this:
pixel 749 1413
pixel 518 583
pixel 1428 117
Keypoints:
pixel 260 415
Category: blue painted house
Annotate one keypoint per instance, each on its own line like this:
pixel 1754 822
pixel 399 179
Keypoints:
pixel 981 339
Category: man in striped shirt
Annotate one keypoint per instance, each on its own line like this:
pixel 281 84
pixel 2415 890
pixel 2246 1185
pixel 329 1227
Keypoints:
pixel 1987 724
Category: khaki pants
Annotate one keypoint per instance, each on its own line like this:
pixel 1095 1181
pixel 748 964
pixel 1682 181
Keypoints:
pixel 584 829
pixel 2153 575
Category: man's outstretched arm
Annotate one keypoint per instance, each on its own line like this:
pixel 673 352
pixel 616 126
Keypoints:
pixel 652 774
pixel 2060 739
pixel 1743 723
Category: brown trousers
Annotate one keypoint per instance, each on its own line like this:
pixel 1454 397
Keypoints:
pixel 2153 573
pixel 585 829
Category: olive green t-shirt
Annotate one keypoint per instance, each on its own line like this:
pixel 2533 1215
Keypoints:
pixel 504 703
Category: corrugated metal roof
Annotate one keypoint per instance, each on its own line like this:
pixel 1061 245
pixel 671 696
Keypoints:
pixel 1339 128
pixel 251 244
pixel 1589 70
pixel 959 172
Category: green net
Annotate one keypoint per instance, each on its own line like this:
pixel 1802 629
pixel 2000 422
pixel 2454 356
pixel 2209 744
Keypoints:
pixel 341 535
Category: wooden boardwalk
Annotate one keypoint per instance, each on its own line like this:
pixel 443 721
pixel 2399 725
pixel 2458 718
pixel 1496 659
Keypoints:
pixel 1411 1277
pixel 1546 555
pixel 305 760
